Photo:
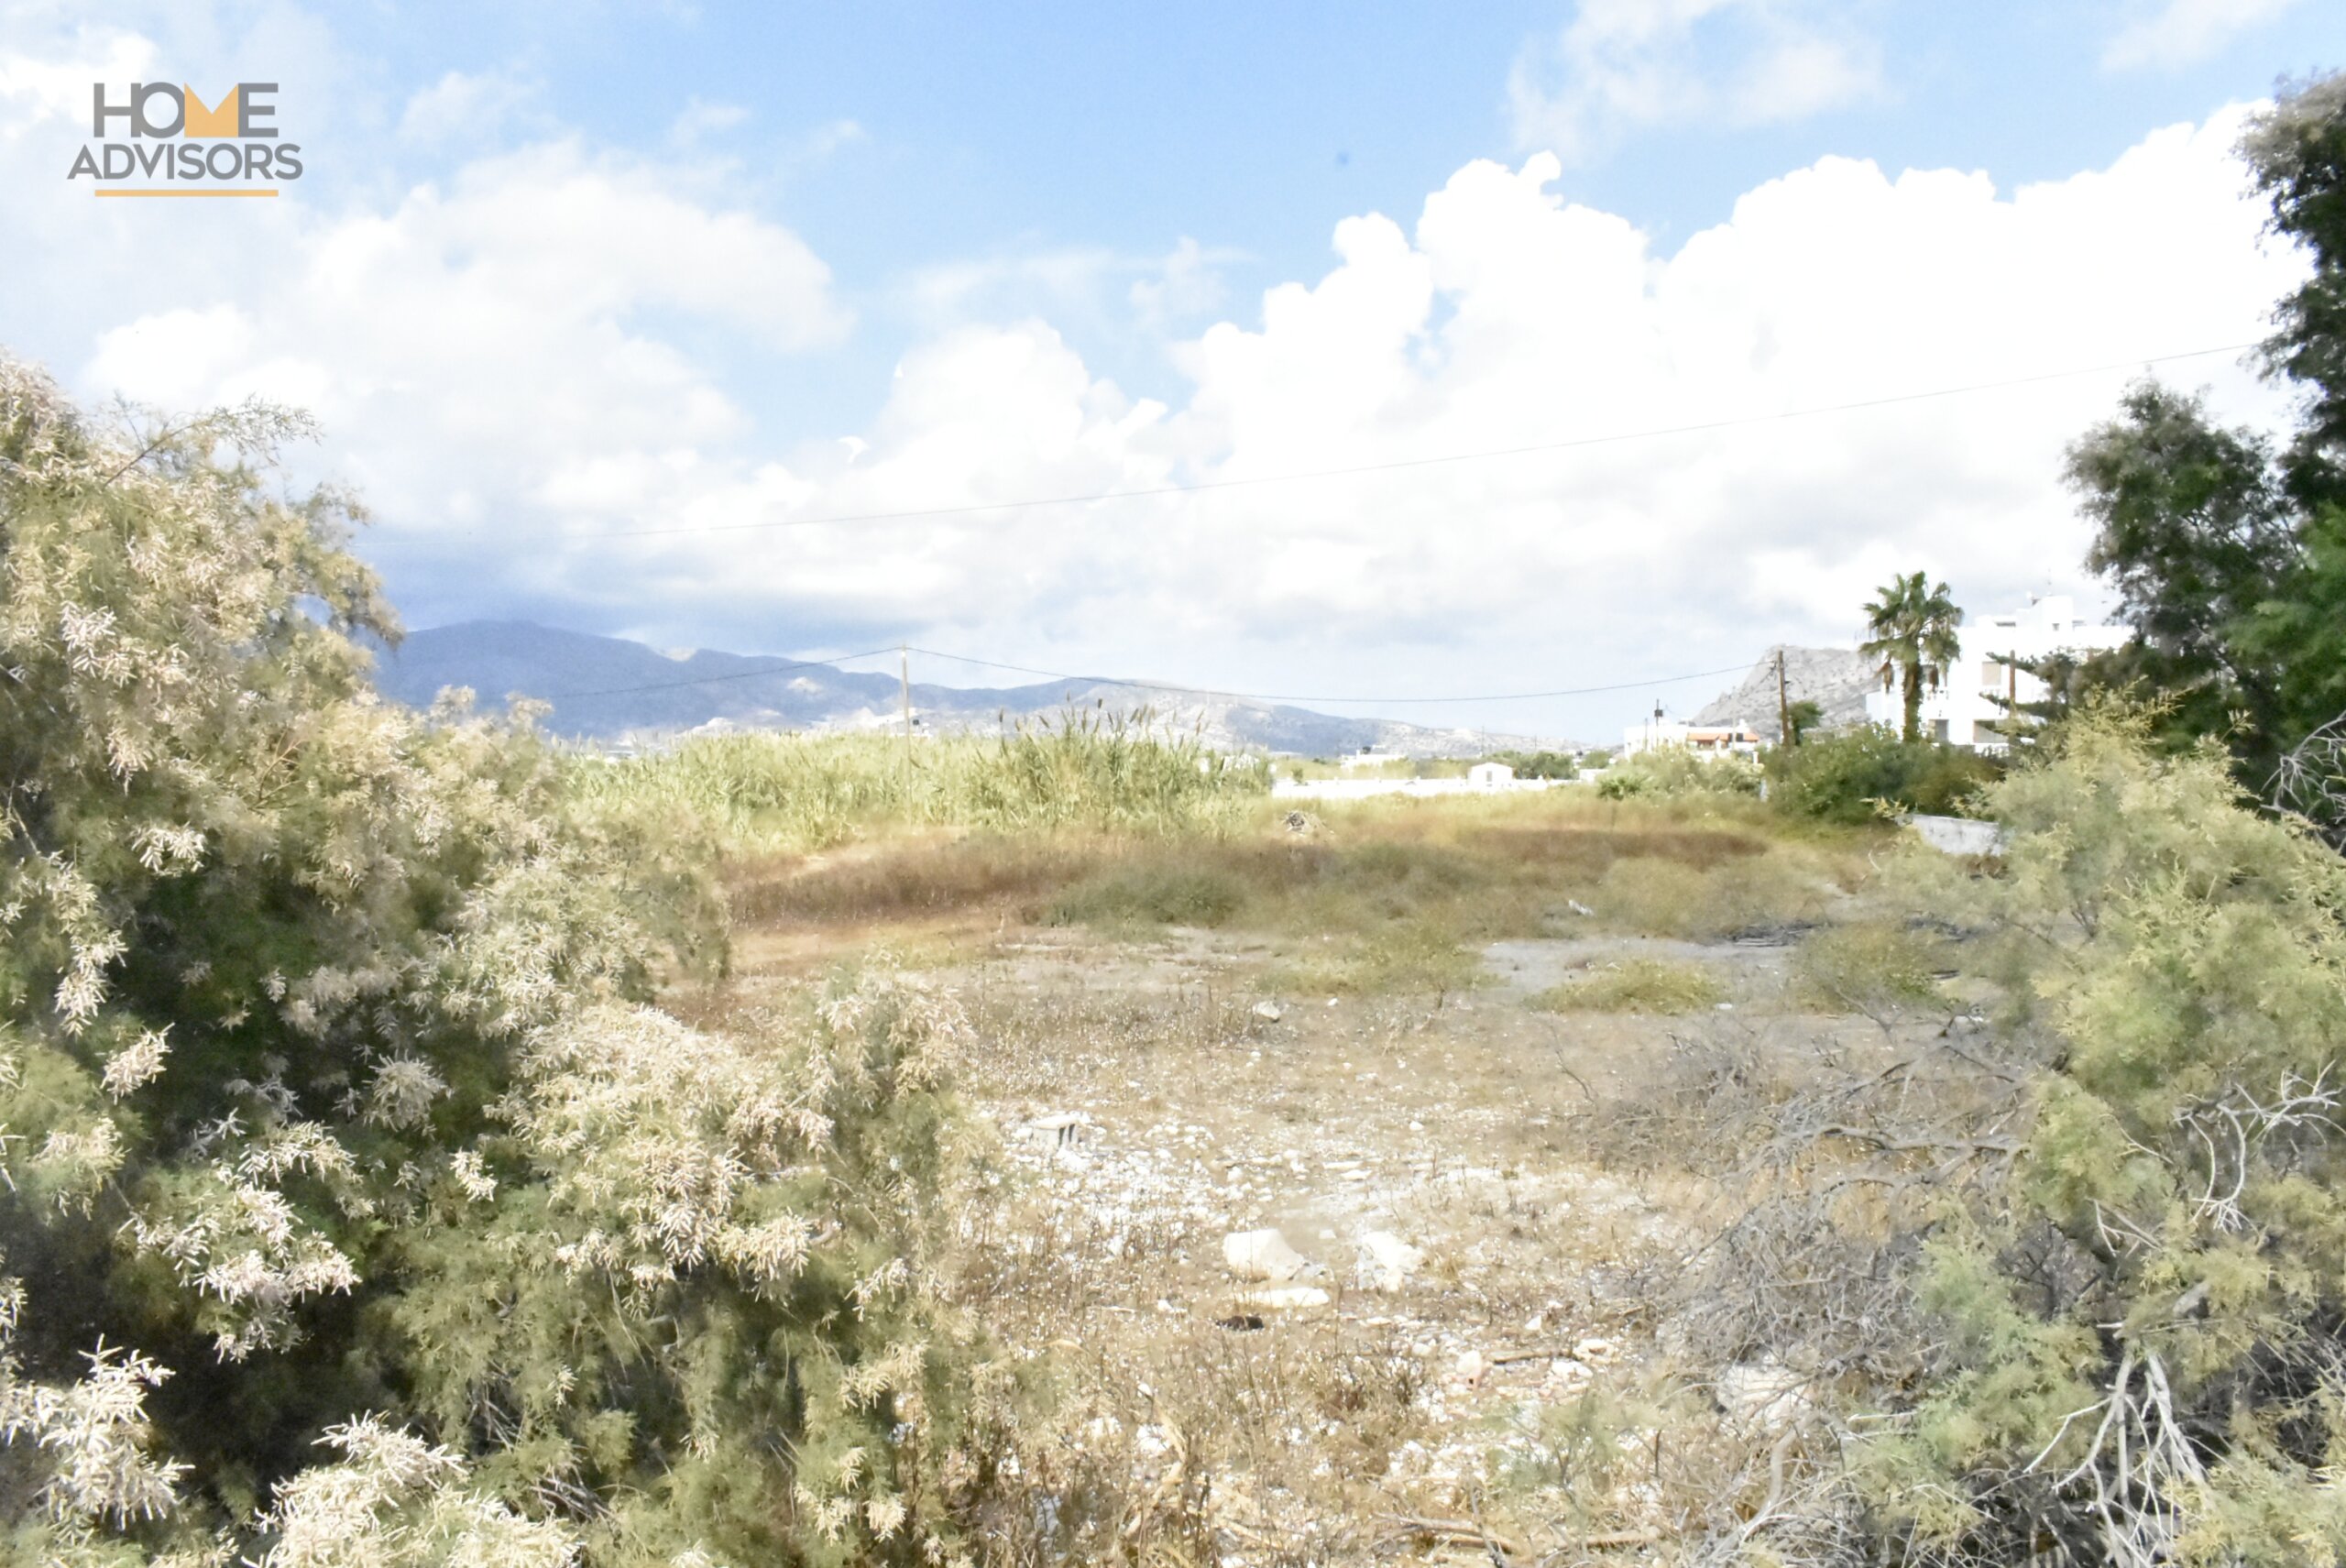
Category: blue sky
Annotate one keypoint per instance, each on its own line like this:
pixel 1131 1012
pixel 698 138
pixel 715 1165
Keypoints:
pixel 563 276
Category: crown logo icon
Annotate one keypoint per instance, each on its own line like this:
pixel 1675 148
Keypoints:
pixel 215 122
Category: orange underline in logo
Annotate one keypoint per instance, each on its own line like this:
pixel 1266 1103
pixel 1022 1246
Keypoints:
pixel 101 191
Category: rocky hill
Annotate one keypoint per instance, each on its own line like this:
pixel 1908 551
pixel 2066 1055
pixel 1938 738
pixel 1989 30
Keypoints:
pixel 607 688
pixel 1836 679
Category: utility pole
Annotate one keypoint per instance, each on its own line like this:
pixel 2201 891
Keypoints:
pixel 905 684
pixel 2012 699
pixel 1785 736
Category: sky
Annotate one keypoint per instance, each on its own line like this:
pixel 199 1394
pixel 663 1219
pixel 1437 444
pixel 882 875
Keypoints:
pixel 1424 352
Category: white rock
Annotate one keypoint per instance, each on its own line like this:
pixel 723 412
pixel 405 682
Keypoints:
pixel 1598 1352
pixel 1388 1261
pixel 1564 1374
pixel 1260 1255
pixel 1765 1392
pixel 1269 1012
pixel 1284 1297
pixel 1470 1367
pixel 1061 1131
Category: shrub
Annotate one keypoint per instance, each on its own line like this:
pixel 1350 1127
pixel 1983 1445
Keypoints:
pixel 2138 1333
pixel 335 1115
pixel 1859 774
pixel 1539 764
pixel 1634 985
pixel 1668 771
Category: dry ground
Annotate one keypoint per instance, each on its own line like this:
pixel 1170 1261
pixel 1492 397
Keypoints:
pixel 1535 1383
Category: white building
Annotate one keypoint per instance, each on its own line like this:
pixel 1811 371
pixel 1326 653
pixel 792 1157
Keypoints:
pixel 1490 776
pixel 1703 740
pixel 1368 757
pixel 1963 711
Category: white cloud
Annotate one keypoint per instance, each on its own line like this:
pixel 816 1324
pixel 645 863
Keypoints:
pixel 700 120
pixel 38 93
pixel 488 352
pixel 2180 32
pixel 1621 66
pixel 530 362
pixel 1087 286
pixel 477 109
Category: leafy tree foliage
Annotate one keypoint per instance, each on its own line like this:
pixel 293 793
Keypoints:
pixel 360 1211
pixel 2228 556
pixel 2139 1353
pixel 1911 628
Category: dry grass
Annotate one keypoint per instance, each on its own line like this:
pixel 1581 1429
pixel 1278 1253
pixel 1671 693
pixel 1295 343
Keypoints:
pixel 1873 966
pixel 1561 1173
pixel 1635 985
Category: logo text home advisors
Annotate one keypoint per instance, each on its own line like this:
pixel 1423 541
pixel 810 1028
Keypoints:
pixel 164 131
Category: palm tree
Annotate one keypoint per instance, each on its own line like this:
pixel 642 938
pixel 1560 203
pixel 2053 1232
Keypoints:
pixel 1913 626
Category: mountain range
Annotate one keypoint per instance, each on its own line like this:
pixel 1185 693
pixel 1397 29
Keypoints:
pixel 610 689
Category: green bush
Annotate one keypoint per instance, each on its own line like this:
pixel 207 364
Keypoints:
pixel 362 1210
pixel 1672 771
pixel 1539 764
pixel 1858 775
pixel 2134 1338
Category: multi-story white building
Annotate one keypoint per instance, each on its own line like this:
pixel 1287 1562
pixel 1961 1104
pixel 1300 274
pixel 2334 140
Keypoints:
pixel 1963 711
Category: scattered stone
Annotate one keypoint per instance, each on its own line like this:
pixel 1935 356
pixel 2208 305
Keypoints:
pixel 1269 1012
pixel 1577 907
pixel 1598 1352
pixel 1388 1261
pixel 1564 1374
pixel 1261 1254
pixel 1284 1297
pixel 1241 1322
pixel 1470 1367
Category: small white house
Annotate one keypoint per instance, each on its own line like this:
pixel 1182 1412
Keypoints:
pixel 1367 757
pixel 1703 739
pixel 1489 775
pixel 1963 711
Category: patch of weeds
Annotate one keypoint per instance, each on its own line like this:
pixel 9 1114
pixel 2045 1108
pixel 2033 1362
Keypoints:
pixel 1414 957
pixel 1151 895
pixel 1870 967
pixel 1664 898
pixel 1634 985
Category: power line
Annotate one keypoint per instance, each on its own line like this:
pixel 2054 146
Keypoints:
pixel 1400 463
pixel 1292 697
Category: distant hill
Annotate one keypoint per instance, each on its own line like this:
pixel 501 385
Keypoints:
pixel 1836 679
pixel 607 688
